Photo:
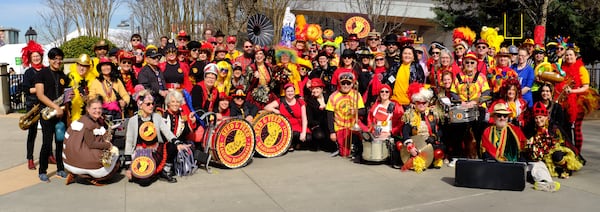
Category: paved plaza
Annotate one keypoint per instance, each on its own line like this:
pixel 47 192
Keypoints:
pixel 298 181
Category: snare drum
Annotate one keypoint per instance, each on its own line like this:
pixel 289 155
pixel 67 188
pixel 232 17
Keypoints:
pixel 274 134
pixel 232 143
pixel 376 150
pixel 459 114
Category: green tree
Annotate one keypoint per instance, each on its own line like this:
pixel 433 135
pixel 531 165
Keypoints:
pixel 564 17
pixel 80 45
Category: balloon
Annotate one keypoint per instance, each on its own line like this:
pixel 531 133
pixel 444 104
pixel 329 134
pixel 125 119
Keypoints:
pixel 399 146
pixel 438 154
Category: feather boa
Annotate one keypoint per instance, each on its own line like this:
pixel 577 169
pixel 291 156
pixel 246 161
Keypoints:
pixel 572 163
pixel 78 101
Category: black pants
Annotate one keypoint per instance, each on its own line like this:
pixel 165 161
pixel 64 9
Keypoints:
pixel 31 135
pixel 296 140
pixel 49 134
pixel 320 139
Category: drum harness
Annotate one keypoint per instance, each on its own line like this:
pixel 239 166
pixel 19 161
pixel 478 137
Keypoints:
pixel 460 81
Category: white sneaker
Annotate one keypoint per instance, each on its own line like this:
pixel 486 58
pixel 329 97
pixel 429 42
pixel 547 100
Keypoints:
pixel 334 154
pixel 452 163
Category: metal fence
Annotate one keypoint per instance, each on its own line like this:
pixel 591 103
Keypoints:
pixel 16 92
pixel 594 77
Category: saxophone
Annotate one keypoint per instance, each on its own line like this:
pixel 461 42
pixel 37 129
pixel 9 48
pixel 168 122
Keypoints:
pixel 48 112
pixel 30 117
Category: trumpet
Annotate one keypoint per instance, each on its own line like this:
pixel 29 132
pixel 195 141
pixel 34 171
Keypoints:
pixel 30 117
pixel 48 112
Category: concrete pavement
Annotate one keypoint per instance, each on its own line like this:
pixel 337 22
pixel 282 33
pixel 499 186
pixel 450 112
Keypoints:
pixel 299 181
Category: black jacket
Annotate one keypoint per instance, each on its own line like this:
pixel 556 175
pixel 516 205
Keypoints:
pixel 416 74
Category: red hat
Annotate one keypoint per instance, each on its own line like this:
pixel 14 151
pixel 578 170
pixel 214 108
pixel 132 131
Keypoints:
pixel 471 56
pixel 539 109
pixel 182 34
pixel 352 37
pixel 212 40
pixel 316 83
pixel 122 54
pixel 223 96
pixel 288 85
pixel 405 41
pixel 231 39
pixel 140 46
pixel 31 47
pixel 382 86
pixel 482 41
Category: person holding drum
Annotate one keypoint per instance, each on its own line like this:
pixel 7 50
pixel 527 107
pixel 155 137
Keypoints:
pixel 146 149
pixel 343 108
pixel 88 152
pixel 385 119
pixel 421 120
pixel 241 107
pixel 471 89
pixel 294 109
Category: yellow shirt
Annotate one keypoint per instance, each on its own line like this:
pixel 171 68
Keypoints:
pixel 97 88
pixel 399 93
pixel 585 75
pixel 341 104
pixel 231 56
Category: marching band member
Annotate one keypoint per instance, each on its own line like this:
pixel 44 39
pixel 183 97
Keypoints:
pixel 510 93
pixel 179 120
pixel 399 76
pixel 286 70
pixel 315 109
pixel 294 110
pixel 88 151
pixel 223 83
pixel 324 71
pixel 502 141
pixel 580 99
pixel 199 57
pixel 342 108
pixel 502 71
pixel 346 66
pixel 50 84
pixel 110 88
pixel 420 119
pixel 204 93
pixel 557 115
pixel 241 107
pixel 176 74
pixel 147 130
pixel 79 81
pixel 152 78
pixel 223 109
pixel 472 90
pixel 260 84
pixel 127 75
pixel 550 146
pixel 385 119
pixel 32 56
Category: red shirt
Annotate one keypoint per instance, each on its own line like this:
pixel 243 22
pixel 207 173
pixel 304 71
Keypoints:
pixel 296 119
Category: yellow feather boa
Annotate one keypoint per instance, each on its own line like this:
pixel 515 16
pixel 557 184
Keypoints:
pixel 573 164
pixel 78 100
pixel 419 164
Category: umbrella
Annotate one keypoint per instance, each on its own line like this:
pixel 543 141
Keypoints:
pixel 260 30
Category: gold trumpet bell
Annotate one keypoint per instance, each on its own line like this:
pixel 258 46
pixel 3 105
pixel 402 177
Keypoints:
pixel 356 127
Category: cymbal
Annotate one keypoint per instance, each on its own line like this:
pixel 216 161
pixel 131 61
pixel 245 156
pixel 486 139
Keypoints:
pixel 424 148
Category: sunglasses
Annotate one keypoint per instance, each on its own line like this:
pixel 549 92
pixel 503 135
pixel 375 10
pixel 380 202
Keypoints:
pixel 224 70
pixel 231 43
pixel 470 62
pixel 156 57
pixel 346 83
pixel 313 51
pixel 247 47
pixel 420 103
pixel 560 49
pixel 502 115
pixel 195 49
pixel 149 103
pixel 138 53
pixel 384 91
pixel 460 48
pixel 373 39
pixel 135 39
pixel 102 48
pixel 434 53
pixel 238 97
pixel 182 39
pixel 379 59
pixel 482 47
pixel 125 62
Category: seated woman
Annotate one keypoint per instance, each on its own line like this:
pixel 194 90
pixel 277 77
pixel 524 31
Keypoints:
pixel 315 108
pixel 550 146
pixel 241 107
pixel 222 110
pixel 421 119
pixel 182 123
pixel 88 152
pixel 109 86
pixel 385 119
pixel 295 111
pixel 145 136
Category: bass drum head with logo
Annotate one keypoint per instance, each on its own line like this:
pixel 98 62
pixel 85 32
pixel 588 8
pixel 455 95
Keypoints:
pixel 274 134
pixel 425 150
pixel 143 165
pixel 233 144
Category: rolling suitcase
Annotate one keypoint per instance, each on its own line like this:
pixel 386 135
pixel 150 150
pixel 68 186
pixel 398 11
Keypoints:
pixel 490 174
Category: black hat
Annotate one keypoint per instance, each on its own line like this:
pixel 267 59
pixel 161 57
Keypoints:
pixel 323 53
pixel 170 45
pixel 219 34
pixel 390 39
pixel 364 52
pixel 152 52
pixel 193 45
pixel 113 51
pixel 348 53
pixel 352 37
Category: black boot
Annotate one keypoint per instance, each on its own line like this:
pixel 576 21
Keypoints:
pixel 167 174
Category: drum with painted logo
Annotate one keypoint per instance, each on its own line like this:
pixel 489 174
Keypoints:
pixel 143 164
pixel 460 114
pixel 232 143
pixel 273 134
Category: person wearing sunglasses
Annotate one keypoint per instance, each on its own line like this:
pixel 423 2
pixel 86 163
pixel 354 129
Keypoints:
pixel 246 58
pixel 240 107
pixel 392 55
pixel 373 41
pixel 346 66
pixel 175 72
pixel 135 40
pixel 152 78
pixel 343 108
pixel 139 52
pixel 502 141
pixel 148 131
pixel 471 89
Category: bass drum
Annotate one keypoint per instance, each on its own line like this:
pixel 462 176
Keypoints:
pixel 274 134
pixel 425 150
pixel 232 143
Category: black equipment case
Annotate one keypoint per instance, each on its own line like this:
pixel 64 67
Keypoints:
pixel 490 174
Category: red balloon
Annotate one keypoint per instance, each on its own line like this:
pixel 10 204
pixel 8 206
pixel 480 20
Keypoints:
pixel 438 154
pixel 399 146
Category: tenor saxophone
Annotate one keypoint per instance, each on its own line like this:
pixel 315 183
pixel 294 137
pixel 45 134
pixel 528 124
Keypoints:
pixel 48 112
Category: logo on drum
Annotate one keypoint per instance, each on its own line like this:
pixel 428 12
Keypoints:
pixel 273 134
pixel 235 142
pixel 459 116
pixel 142 167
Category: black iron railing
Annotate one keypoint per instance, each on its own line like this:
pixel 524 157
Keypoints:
pixel 16 92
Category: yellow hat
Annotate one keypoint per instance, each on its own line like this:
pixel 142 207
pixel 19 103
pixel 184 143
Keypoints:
pixel 84 60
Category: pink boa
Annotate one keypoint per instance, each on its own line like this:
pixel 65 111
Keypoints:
pixel 113 106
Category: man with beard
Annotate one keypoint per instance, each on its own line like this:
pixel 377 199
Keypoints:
pixel 352 42
pixel 324 71
pixel 245 59
pixel 391 52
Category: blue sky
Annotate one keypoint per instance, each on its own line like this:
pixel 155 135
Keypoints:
pixel 21 14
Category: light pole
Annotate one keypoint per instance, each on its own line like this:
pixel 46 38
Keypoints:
pixel 30 34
